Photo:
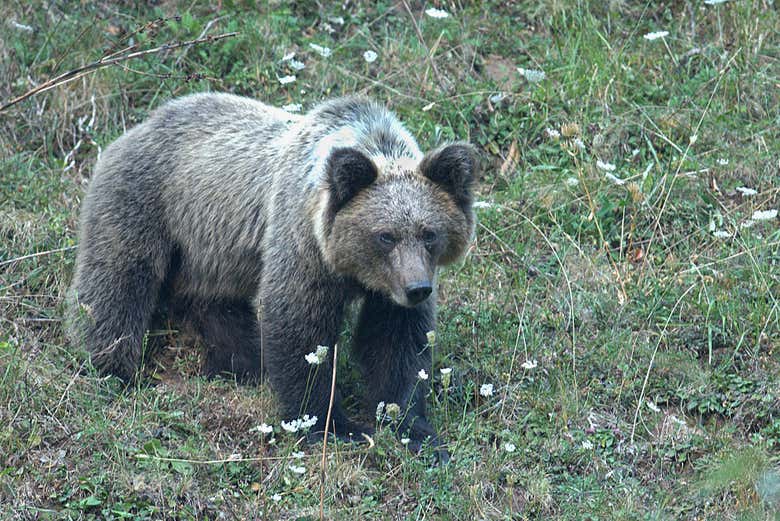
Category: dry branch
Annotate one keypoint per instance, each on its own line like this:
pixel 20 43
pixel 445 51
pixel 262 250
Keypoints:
pixel 107 61
pixel 325 436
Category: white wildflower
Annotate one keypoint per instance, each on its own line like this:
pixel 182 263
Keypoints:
pixel 529 364
pixel 318 356
pixel 587 445
pixel 653 407
pixel 607 167
pixel 615 179
pixel 284 80
pixel 572 181
pixel 764 215
pixel 436 13
pixel 338 20
pixel 748 223
pixel 325 52
pixel 393 410
pixel 721 234
pixel 299 424
pixel 579 144
pixel 532 75
pixel 509 447
pixel 715 2
pixel 422 375
pixel 291 426
pixel 722 161
pixel 370 56
pixel 297 455
pixel 293 107
pixel 234 457
pixel 552 133
pixel 656 35
pixel 747 192
pixel 380 411
pixel 289 56
pixel 322 352
pixel 265 428
pixel 297 65
pixel 276 498
pixel 297 469
pixel 430 336
pixel 308 422
pixel 486 390
pixel 497 98
pixel 482 204
pixel 446 376
pixel 405 441
pixel 21 27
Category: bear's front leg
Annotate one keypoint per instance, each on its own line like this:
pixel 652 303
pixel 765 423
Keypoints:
pixel 300 313
pixel 391 345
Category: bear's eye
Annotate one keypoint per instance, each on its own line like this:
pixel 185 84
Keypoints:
pixel 386 239
pixel 429 237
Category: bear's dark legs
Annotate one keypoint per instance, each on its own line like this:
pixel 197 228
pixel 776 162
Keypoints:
pixel 295 320
pixel 231 332
pixel 111 307
pixel 390 344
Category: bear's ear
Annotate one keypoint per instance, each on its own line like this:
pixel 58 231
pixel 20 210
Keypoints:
pixel 454 168
pixel 349 171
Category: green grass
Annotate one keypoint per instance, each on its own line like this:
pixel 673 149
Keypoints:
pixel 655 389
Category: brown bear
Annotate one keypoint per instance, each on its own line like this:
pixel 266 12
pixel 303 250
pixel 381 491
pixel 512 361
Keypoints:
pixel 256 228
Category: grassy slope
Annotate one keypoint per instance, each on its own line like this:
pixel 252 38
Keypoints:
pixel 655 393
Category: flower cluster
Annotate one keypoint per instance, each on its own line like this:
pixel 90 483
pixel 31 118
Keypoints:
pixel 299 424
pixel 325 52
pixel 387 412
pixel 532 75
pixel 656 35
pixel 318 356
pixel 529 364
pixel 263 428
pixel 437 13
pixel 446 375
pixel 486 390
pixel 370 56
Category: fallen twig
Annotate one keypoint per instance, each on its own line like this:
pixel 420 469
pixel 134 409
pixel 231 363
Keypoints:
pixel 325 437
pixel 30 256
pixel 105 62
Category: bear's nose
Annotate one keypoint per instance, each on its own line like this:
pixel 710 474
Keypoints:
pixel 418 291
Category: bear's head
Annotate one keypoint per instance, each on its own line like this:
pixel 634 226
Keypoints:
pixel 391 222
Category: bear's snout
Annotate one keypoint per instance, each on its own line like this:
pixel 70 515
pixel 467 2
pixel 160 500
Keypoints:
pixel 418 291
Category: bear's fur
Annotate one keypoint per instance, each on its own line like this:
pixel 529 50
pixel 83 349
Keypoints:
pixel 218 207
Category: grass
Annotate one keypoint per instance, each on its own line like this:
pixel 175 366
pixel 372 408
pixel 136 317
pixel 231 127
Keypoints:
pixel 629 328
